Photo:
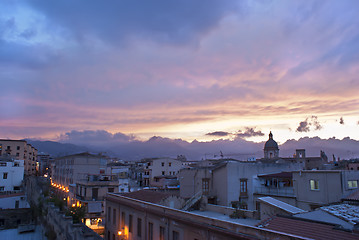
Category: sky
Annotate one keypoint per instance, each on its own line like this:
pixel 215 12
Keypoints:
pixel 189 69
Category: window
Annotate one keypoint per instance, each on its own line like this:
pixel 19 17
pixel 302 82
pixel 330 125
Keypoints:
pixel 139 227
pixel 130 223
pixel 169 164
pixel 111 189
pixel 18 148
pixel 17 154
pixel 150 231
pixel 205 185
pixel 175 235
pixel 353 184
pixel 95 193
pixel 163 173
pixel 123 219
pixel 17 204
pixel 4 176
pixel 162 233
pixel 109 214
pixel 314 184
pixel 243 186
pixel 2 188
pixel 114 216
pixel 162 164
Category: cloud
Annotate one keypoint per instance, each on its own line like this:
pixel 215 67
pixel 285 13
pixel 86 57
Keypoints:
pixel 218 134
pixel 249 132
pixel 164 21
pixel 341 121
pixel 305 126
pixel 98 137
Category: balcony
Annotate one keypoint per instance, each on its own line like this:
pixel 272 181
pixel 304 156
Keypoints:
pixel 271 191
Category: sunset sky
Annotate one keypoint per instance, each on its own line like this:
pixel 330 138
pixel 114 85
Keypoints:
pixel 180 69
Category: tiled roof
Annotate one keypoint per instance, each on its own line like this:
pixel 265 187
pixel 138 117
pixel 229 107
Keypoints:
pixel 346 212
pixel 148 195
pixel 308 229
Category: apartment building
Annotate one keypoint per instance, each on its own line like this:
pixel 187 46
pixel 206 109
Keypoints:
pixel 72 168
pixel 145 215
pixel 11 174
pixel 20 150
pixel 230 183
pixel 320 187
pixel 161 172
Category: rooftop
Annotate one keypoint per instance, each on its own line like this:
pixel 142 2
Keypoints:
pixel 307 228
pixel 282 205
pixel 149 195
pixel 349 213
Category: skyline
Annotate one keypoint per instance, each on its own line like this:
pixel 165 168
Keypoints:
pixel 180 70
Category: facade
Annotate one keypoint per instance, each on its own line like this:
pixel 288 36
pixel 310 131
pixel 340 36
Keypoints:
pixel 132 217
pixel 13 201
pixel 11 174
pixel 318 188
pixel 155 169
pixel 20 150
pixel 73 168
pixel 231 183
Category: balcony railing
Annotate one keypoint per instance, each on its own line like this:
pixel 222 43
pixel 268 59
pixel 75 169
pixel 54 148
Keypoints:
pixel 285 192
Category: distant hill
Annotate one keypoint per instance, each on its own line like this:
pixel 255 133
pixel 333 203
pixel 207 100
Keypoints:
pixel 164 147
pixel 57 149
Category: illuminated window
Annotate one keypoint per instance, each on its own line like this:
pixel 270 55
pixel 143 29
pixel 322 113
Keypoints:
pixel 314 184
pixel 169 164
pixel 353 184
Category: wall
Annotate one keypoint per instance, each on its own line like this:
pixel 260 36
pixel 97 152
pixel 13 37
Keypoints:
pixel 15 174
pixel 330 188
pixel 248 170
pixel 187 225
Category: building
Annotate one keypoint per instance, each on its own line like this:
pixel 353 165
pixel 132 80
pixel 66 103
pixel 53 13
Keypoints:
pixel 317 188
pixel 147 215
pixel 11 174
pixel 44 160
pixel 271 154
pixel 72 168
pixel 20 150
pixel 160 168
pixel 91 192
pixel 230 183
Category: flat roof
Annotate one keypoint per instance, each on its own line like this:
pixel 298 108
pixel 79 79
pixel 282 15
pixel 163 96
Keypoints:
pixel 281 205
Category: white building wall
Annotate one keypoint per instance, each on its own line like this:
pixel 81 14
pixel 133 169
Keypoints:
pixel 10 202
pixel 168 166
pixel 11 174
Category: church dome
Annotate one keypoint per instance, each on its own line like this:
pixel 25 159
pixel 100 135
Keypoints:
pixel 271 144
